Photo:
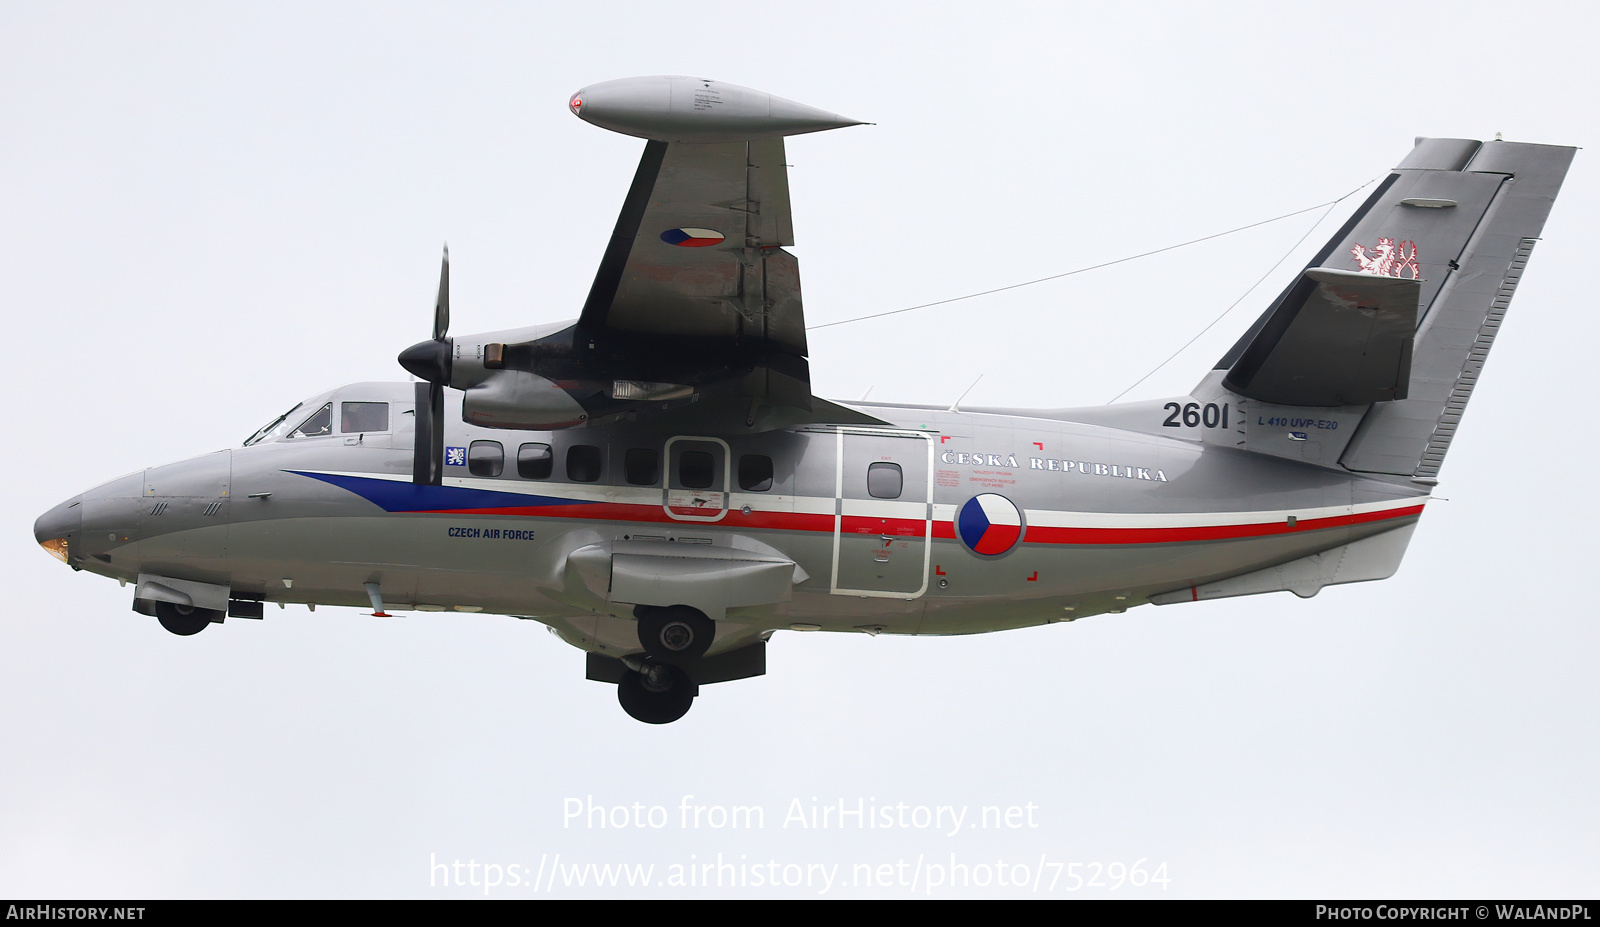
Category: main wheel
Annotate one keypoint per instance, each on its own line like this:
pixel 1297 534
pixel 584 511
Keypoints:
pixel 661 697
pixel 183 620
pixel 677 634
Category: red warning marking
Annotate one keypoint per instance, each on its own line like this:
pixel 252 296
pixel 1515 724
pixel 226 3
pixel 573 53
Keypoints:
pixel 1035 577
pixel 943 438
pixel 1039 445
pixel 938 570
pixel 1194 593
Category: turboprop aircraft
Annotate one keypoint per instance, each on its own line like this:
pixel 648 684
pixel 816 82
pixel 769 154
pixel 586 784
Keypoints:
pixel 656 482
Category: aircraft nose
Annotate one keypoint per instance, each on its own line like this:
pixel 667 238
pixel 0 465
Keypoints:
pixel 58 529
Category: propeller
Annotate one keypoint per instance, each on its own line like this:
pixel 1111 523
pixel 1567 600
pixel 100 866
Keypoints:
pixel 430 361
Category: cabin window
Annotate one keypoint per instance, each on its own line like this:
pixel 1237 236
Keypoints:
pixel 884 480
pixel 696 470
pixel 485 458
pixel 755 473
pixel 535 461
pixel 583 463
pixel 641 466
pixel 363 417
pixel 320 423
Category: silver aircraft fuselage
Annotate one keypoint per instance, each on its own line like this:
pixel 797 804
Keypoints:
pixel 657 481
pixel 1113 508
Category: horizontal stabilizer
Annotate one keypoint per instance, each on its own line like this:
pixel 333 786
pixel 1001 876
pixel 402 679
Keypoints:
pixel 1340 338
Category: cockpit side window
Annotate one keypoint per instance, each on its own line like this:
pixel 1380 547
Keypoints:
pixel 363 417
pixel 319 424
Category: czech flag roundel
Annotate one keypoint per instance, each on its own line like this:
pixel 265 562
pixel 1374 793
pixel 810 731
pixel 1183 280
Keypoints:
pixel 989 524
pixel 692 238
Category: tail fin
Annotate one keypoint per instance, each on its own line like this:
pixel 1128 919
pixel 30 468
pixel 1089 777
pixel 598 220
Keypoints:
pixel 1458 217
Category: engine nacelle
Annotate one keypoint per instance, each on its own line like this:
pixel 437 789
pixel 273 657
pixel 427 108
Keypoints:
pixel 518 399
pixel 692 109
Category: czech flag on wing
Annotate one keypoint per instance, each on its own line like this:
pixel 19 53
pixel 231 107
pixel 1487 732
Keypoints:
pixel 692 238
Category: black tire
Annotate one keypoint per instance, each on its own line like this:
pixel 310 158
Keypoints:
pixel 655 704
pixel 677 634
pixel 183 620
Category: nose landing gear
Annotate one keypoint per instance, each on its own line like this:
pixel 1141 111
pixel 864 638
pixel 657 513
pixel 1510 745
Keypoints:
pixel 184 620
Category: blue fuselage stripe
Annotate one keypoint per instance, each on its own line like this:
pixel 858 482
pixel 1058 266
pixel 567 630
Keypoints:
pixel 396 496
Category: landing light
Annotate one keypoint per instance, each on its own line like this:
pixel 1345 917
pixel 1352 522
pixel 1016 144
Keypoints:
pixel 56 547
pixel 641 390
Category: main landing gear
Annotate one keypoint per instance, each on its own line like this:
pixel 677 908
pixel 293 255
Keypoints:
pixel 675 634
pixel 657 688
pixel 656 693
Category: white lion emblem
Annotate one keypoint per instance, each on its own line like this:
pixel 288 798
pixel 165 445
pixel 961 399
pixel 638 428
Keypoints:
pixel 1388 259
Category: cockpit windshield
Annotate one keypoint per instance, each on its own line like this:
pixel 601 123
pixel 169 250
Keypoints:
pixel 365 409
pixel 272 428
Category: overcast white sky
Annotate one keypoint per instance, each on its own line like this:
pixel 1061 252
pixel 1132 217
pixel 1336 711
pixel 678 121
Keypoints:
pixel 210 211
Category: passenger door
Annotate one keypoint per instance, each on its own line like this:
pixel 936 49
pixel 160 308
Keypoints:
pixel 883 521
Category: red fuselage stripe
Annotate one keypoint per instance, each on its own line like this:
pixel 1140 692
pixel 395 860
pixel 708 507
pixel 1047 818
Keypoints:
pixel 1206 532
pixel 944 530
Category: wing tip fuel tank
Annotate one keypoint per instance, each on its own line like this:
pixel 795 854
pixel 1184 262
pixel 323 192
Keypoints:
pixel 690 109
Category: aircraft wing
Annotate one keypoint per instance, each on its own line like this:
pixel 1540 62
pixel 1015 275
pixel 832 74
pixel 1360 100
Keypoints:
pixel 697 252
pixel 695 311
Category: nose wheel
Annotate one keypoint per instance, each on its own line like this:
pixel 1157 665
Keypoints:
pixel 184 620
pixel 660 694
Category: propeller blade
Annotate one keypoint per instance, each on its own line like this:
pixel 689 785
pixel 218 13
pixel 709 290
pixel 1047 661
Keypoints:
pixel 427 461
pixel 441 309
pixel 430 361
pixel 436 449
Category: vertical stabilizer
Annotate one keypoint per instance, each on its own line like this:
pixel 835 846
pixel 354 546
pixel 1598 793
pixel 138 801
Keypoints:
pixel 1450 229
pixel 1409 437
